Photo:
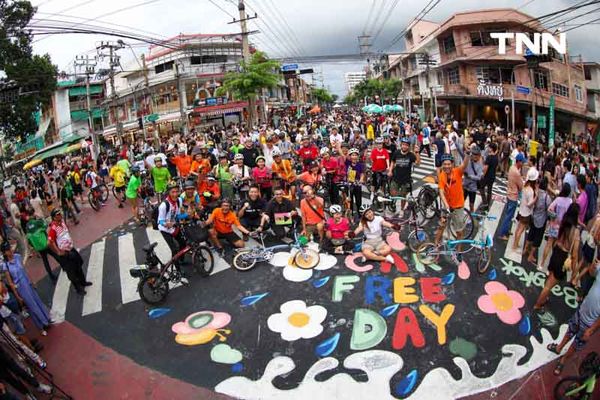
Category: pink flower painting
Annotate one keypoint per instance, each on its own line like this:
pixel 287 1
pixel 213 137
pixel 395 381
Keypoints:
pixel 501 301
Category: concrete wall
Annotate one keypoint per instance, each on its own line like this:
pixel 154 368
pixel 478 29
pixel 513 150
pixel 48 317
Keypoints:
pixel 62 112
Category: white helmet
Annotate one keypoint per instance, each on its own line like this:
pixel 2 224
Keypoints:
pixel 379 140
pixel 238 156
pixel 334 209
pixel 353 150
pixel 276 152
pixel 364 208
pixel 324 151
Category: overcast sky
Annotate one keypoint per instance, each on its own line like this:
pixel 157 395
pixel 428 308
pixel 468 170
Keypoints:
pixel 319 27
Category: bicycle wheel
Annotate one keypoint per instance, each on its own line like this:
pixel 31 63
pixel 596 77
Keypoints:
pixel 103 192
pixel 427 201
pixel 428 253
pixel 243 263
pixel 483 260
pixel 468 223
pixel 119 196
pixel 416 238
pixel 203 261
pixel 566 387
pixel 306 259
pixel 93 201
pixel 153 289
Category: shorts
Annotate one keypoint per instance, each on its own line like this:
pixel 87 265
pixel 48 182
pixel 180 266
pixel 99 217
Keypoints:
pixel 119 189
pixel 457 219
pixel 15 323
pixel 373 244
pixel 471 195
pixel 231 237
pixel 588 253
pixel 311 229
pixel 400 189
pixel 77 189
pixel 577 329
pixel 536 235
pixel 552 232
pixel 524 220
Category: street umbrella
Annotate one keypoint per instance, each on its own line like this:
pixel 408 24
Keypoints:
pixel 397 107
pixel 374 109
pixel 365 109
pixel 388 108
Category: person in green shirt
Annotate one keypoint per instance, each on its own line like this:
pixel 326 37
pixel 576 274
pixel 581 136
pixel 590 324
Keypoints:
pixel 160 176
pixel 132 191
pixel 125 165
pixel 237 147
pixel 224 177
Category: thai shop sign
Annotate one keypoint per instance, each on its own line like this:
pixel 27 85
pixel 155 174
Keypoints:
pixel 490 90
pixel 551 123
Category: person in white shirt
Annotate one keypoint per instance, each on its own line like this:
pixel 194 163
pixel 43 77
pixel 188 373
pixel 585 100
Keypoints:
pixel 374 247
pixel 335 138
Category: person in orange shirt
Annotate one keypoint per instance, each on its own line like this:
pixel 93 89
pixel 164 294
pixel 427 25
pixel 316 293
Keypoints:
pixel 312 209
pixel 222 220
pixel 452 195
pixel 284 171
pixel 209 191
pixel 200 166
pixel 183 162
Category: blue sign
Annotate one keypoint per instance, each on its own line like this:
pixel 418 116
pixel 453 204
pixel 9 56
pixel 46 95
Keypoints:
pixel 289 67
pixel 528 53
pixel 523 89
pixel 211 101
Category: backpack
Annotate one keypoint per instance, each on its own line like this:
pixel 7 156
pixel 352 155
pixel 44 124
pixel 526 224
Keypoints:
pixel 36 234
pixel 88 180
pixel 155 211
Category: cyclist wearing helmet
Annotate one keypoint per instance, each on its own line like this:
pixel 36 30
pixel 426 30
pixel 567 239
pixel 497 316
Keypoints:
pixel 450 183
pixel 337 231
pixel 329 165
pixel 374 247
pixel 236 147
pixel 224 177
pixel 312 176
pixel 209 192
pixel 401 170
pixel 190 200
pixel 160 176
pixel 223 218
pixel 380 159
pixel 307 152
pixel 133 188
pixel 118 176
pixel 284 172
pixel 355 175
pixel 262 176
pixel 169 211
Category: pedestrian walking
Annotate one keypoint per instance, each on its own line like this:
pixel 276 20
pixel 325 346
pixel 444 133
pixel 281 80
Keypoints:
pixel 514 187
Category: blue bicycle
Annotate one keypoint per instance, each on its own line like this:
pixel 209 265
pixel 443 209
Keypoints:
pixel 429 253
pixel 305 258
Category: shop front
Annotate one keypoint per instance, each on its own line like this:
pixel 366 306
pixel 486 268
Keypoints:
pixel 219 116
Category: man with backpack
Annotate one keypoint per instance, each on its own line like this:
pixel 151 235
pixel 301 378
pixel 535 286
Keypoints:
pixel 168 212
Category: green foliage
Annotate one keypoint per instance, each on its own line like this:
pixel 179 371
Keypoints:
pixel 35 75
pixel 257 74
pixel 322 96
pixel 387 90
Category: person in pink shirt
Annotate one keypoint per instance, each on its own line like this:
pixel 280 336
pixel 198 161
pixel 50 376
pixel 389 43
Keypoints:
pixel 337 229
pixel 262 177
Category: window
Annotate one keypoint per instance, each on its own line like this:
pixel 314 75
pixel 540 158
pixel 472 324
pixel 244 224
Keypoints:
pixel 483 38
pixel 453 76
pixel 560 90
pixel 493 74
pixel 440 77
pixel 507 75
pixel 164 67
pixel 476 39
pixel 209 59
pixel 587 71
pixel 448 44
pixel 540 80
pixel 578 93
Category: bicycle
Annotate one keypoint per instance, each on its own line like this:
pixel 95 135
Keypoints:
pixel 95 198
pixel 580 387
pixel 154 277
pixel 429 253
pixel 305 258
pixel 413 216
pixel 345 189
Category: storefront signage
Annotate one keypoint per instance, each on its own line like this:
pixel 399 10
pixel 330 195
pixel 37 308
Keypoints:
pixel 152 118
pixel 490 90
pixel 289 67
pixel 541 122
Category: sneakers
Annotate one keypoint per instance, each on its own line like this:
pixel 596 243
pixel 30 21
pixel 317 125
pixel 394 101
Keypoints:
pixel 221 252
pixel 184 281
pixel 389 258
pixel 80 291
pixel 43 388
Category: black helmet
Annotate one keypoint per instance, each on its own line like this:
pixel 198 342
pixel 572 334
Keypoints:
pixel 189 185
pixel 135 169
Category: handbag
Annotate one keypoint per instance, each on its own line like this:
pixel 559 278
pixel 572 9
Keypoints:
pixel 568 262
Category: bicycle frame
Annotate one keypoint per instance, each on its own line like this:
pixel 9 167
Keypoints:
pixel 587 386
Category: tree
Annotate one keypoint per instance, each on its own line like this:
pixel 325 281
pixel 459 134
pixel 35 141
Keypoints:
pixel 391 89
pixel 257 74
pixel 33 75
pixel 322 96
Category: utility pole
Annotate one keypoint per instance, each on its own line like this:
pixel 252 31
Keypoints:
pixel 113 62
pixel 246 52
pixel 151 103
pixel 428 62
pixel 182 115
pixel 88 65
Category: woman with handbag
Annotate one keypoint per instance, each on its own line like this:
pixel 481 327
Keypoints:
pixel 539 217
pixel 564 254
pixel 557 209
pixel 528 200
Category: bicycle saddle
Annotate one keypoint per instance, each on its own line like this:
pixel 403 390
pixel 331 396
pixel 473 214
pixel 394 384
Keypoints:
pixel 149 247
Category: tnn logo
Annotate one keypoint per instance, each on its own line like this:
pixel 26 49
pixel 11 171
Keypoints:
pixel 539 40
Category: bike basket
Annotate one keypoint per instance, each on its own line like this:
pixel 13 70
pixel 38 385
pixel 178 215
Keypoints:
pixel 195 234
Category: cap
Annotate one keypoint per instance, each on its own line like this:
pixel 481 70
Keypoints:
pixel 55 212
pixel 520 157
pixel 476 150
pixel 533 174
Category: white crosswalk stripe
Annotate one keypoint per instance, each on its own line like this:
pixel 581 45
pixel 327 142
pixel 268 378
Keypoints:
pixel 126 261
pixel 92 302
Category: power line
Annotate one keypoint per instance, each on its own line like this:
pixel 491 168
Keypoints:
pixel 387 17
pixel 214 3
pixel 428 7
pixel 287 25
pixel 364 31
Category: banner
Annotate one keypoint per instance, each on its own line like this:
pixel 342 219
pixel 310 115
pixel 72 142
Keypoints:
pixel 551 123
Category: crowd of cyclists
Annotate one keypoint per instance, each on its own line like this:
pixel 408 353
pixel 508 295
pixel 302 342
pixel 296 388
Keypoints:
pixel 322 175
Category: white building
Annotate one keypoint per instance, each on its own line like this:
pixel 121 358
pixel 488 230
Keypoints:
pixel 353 78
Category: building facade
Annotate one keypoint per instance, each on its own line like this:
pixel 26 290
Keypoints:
pixel 471 81
pixel 353 78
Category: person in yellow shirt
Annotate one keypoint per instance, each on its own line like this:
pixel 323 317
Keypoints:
pixel 284 171
pixel 370 133
pixel 118 176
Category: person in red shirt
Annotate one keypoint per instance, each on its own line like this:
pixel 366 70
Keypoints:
pixel 329 166
pixel 183 162
pixel 308 152
pixel 380 163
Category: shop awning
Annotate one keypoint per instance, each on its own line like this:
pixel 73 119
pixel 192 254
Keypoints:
pixel 82 115
pixel 232 107
pixel 81 90
pixel 54 151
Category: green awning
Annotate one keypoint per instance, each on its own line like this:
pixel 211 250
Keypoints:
pixel 81 91
pixel 72 137
pixel 82 115
pixel 55 151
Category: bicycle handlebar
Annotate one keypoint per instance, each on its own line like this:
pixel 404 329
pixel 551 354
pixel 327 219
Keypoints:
pixel 393 198
pixel 482 216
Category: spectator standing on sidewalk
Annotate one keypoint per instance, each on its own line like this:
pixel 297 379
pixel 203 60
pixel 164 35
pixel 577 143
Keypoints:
pixel 515 186
pixel 61 243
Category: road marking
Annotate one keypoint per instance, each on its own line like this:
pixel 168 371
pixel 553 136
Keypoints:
pixel 127 260
pixel 162 249
pixel 495 211
pixel 60 297
pixel 509 253
pixel 92 301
